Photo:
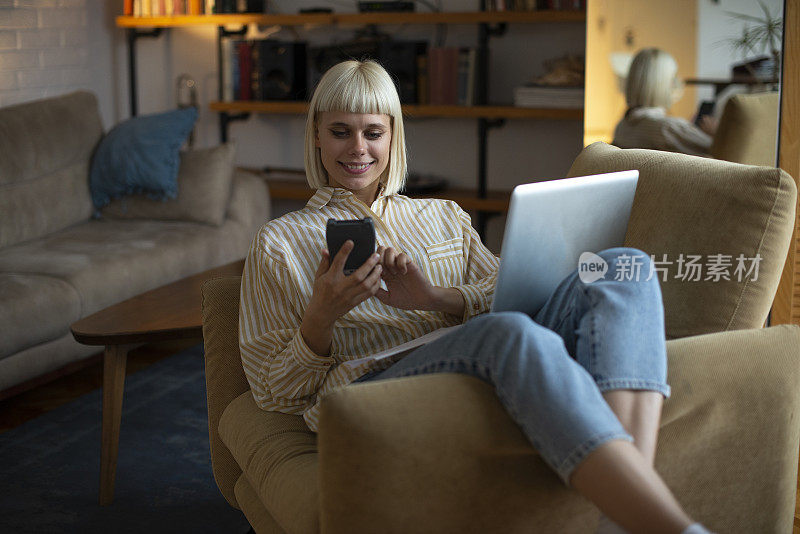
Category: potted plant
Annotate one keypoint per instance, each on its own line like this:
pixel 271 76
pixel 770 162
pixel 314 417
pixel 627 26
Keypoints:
pixel 760 34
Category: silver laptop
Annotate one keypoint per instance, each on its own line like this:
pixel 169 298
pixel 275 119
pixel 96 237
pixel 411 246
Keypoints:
pixel 549 225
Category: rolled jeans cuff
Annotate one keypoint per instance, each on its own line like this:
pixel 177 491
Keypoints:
pixel 637 384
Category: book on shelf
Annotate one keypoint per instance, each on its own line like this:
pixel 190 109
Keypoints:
pixel 549 96
pixel 451 76
pixel 226 69
pixel 268 69
pixel 263 69
pixel 244 55
pixel 158 8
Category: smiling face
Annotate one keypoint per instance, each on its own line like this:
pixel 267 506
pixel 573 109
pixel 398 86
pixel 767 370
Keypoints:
pixel 354 149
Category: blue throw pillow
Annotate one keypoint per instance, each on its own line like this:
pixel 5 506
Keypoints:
pixel 141 156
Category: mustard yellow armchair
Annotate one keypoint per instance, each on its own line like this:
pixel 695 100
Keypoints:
pixel 438 454
pixel 747 131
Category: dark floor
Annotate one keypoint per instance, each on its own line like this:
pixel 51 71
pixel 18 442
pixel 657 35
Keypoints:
pixel 16 410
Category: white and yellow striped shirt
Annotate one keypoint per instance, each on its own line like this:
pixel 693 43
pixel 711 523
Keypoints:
pixel 284 374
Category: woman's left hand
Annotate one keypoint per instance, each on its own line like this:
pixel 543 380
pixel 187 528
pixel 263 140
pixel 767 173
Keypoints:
pixel 408 287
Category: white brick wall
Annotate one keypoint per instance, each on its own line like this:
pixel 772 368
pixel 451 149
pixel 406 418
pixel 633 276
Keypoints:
pixel 44 49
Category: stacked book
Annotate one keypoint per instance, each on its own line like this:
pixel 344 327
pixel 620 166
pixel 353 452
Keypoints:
pixel 263 69
pixel 537 5
pixel 272 70
pixel 168 8
pixel 447 77
pixel 549 96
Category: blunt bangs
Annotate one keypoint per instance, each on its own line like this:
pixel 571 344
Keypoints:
pixel 357 87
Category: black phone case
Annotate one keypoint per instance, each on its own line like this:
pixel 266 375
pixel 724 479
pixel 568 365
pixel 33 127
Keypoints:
pixel 360 231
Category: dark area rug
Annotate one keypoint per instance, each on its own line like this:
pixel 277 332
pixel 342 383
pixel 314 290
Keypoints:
pixel 50 466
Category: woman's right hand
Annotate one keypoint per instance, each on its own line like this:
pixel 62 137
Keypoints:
pixel 335 293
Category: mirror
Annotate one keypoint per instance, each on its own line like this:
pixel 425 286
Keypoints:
pixel 722 47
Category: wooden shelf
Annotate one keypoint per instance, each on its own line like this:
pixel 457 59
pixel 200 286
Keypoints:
pixel 297 189
pixel 488 17
pixel 411 111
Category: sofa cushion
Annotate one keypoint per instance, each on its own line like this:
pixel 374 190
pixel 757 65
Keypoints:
pixel 278 455
pixel 725 209
pixel 109 261
pixel 33 299
pixel 204 190
pixel 44 167
pixel 140 155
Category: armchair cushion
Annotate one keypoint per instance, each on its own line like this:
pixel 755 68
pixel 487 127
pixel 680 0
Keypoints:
pixel 747 131
pixel 727 209
pixel 204 190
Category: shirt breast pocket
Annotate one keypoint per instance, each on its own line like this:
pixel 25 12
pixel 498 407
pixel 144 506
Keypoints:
pixel 445 262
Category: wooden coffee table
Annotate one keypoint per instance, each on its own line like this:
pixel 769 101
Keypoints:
pixel 166 313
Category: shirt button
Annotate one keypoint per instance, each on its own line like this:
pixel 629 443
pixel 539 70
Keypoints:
pixel 476 306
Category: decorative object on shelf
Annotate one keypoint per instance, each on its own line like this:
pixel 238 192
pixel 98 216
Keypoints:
pixel 314 10
pixel 140 156
pixel 385 7
pixel 565 71
pixel 186 97
pixel 760 34
pixel 560 87
pixel 237 6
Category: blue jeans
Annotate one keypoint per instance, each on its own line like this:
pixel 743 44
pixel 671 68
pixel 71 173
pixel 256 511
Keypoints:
pixel 549 371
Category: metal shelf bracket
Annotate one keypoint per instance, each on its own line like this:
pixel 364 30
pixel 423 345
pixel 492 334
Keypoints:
pixel 225 119
pixel 133 35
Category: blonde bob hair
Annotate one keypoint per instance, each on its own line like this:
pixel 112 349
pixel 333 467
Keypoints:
pixel 652 80
pixel 357 87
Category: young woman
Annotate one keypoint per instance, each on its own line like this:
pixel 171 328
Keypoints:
pixel 584 379
pixel 650 90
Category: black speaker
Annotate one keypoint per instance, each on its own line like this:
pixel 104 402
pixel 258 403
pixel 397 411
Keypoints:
pixel 399 58
pixel 279 71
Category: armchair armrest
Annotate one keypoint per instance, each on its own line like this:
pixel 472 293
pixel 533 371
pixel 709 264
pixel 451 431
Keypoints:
pixel 439 451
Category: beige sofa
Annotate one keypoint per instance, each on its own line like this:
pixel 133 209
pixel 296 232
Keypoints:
pixel 438 454
pixel 57 264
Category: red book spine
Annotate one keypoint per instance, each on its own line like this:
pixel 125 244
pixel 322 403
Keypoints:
pixel 450 76
pixel 127 8
pixel 245 71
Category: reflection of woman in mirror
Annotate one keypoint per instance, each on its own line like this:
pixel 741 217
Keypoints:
pixel 651 89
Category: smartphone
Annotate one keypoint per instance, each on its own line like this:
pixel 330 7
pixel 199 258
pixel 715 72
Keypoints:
pixel 360 231
pixel 706 108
